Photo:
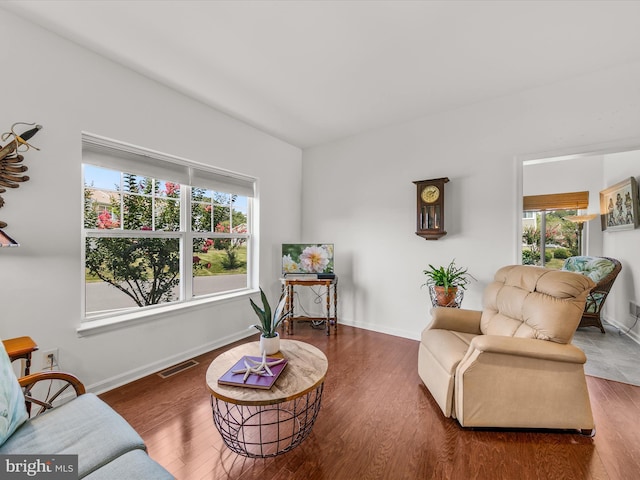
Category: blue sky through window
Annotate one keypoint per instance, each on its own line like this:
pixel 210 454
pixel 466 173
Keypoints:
pixel 101 178
pixel 106 179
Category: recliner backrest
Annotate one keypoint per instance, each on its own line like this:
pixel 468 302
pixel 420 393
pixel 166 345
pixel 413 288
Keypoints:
pixel 534 302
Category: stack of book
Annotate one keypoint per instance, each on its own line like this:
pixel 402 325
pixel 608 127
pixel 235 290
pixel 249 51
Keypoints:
pixel 257 377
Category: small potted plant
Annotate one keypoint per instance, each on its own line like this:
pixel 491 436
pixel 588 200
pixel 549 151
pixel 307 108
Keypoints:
pixel 268 326
pixel 446 281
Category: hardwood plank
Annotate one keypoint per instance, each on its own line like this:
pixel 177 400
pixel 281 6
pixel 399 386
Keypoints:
pixel 378 421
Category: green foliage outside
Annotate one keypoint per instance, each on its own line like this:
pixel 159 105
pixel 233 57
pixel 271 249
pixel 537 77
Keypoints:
pixel 211 263
pixel 216 262
pixel 558 232
pixel 147 269
pixel 530 257
pixel 561 253
pixel 554 263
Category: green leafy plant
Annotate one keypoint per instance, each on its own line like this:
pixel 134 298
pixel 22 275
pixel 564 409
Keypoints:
pixel 530 258
pixel 448 277
pixel 561 253
pixel 269 324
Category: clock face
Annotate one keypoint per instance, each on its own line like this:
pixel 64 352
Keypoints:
pixel 430 194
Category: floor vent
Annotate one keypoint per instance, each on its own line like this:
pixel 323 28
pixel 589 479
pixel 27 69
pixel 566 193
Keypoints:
pixel 181 367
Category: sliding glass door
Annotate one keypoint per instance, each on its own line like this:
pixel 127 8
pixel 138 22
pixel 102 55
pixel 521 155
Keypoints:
pixel 558 242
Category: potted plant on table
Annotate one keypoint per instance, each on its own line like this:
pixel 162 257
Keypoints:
pixel 446 281
pixel 268 326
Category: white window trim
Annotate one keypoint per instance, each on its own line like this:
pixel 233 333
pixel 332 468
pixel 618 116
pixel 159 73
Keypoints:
pixel 110 321
pixel 108 324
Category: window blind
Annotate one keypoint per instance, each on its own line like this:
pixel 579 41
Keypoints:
pixel 556 201
pixel 222 181
pixel 106 153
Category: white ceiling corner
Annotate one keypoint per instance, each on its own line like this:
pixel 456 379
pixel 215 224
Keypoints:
pixel 311 72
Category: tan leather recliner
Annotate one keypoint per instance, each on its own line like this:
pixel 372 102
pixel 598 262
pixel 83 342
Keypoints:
pixel 512 365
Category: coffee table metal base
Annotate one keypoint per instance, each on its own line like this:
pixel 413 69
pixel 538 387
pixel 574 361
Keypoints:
pixel 266 430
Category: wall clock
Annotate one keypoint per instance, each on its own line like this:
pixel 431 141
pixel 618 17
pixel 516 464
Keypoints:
pixel 430 212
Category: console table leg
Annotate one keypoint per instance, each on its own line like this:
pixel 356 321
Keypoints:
pixel 328 309
pixel 335 307
pixel 289 321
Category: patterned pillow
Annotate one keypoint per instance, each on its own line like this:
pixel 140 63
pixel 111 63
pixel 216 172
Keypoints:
pixel 13 412
pixel 596 268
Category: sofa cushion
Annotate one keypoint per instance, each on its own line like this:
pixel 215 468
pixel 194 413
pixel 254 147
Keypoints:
pixel 534 302
pixel 133 465
pixel 85 426
pixel 13 412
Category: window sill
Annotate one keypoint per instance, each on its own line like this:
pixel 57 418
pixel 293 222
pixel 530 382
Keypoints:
pixel 107 324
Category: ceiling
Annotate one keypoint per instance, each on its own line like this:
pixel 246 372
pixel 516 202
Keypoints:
pixel 311 72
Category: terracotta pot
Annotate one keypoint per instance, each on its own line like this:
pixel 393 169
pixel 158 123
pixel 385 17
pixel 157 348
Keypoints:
pixel 445 298
pixel 270 345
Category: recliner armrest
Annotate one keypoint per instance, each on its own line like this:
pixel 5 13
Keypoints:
pixel 456 319
pixel 528 347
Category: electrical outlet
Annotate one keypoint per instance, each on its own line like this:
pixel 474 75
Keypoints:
pixel 634 309
pixel 50 358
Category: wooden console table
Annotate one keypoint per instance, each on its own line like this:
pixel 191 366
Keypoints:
pixel 331 289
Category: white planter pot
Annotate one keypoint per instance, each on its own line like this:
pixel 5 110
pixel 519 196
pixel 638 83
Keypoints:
pixel 270 345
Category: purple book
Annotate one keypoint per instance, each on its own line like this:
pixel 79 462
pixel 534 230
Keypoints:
pixel 253 381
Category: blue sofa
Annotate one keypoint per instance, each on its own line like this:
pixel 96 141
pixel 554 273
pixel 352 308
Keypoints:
pixel 108 448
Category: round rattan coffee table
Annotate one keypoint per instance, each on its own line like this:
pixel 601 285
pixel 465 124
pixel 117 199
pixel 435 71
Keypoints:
pixel 265 423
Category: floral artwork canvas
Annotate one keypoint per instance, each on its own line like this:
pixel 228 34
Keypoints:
pixel 301 258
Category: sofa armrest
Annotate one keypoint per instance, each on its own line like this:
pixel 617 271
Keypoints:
pixel 529 347
pixel 456 319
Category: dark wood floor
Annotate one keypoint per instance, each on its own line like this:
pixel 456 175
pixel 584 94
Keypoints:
pixel 377 421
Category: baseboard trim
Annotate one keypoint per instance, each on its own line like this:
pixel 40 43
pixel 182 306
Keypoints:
pixel 138 373
pixel 632 334
pixel 376 328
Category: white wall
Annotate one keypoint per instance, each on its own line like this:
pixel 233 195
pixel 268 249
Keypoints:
pixel 68 89
pixel 358 192
pixel 624 246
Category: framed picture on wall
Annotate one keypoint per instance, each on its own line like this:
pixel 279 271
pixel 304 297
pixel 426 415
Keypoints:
pixel 619 206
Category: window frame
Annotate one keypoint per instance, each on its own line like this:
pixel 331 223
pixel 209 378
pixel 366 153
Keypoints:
pixel 124 153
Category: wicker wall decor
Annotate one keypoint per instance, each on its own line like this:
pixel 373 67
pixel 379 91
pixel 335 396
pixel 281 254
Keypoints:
pixel 11 158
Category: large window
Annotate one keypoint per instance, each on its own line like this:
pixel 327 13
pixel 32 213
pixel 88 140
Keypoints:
pixel 549 214
pixel 160 230
pixel 558 243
